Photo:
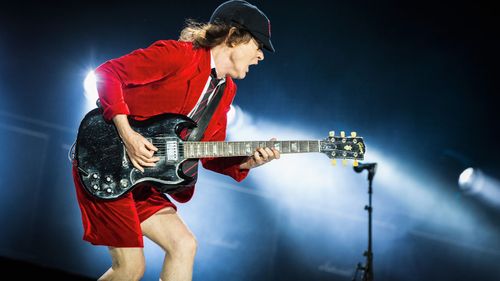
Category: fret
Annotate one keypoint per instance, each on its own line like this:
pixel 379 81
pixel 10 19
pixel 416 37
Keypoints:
pixel 248 148
pixel 285 147
pixel 303 146
pixel 277 146
pixel 316 146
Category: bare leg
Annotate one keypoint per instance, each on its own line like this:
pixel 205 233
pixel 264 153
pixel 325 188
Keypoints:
pixel 128 264
pixel 167 229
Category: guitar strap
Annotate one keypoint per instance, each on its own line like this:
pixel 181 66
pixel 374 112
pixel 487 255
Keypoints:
pixel 197 133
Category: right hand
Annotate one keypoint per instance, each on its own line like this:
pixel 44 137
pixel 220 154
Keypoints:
pixel 140 150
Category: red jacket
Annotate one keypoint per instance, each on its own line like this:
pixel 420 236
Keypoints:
pixel 167 77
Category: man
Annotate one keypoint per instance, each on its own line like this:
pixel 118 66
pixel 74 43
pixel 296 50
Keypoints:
pixel 172 77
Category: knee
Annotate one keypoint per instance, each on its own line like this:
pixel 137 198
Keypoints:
pixel 183 245
pixel 133 268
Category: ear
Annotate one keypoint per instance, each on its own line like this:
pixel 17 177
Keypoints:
pixel 229 34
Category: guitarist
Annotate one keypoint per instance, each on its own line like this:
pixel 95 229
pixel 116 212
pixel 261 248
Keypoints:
pixel 171 77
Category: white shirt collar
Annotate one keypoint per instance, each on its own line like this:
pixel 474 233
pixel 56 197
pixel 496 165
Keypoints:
pixel 212 65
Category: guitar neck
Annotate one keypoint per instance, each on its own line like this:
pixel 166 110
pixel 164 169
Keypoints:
pixel 246 148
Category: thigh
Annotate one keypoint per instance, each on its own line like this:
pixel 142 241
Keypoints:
pixel 166 228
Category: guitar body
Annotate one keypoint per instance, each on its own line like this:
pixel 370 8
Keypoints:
pixel 103 164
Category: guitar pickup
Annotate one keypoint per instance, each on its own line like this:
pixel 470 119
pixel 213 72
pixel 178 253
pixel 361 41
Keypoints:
pixel 172 150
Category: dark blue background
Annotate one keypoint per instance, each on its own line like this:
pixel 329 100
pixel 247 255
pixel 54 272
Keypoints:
pixel 417 79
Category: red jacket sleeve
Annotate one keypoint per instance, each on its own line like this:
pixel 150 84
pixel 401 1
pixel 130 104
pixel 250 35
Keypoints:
pixel 225 165
pixel 142 66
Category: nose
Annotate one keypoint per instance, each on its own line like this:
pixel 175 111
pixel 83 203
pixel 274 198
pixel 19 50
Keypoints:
pixel 260 55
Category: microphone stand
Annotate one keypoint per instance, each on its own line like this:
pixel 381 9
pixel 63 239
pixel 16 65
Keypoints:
pixel 367 268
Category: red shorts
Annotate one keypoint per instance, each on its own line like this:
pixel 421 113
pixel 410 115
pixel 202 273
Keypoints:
pixel 117 222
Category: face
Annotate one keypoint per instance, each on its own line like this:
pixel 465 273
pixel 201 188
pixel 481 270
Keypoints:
pixel 244 55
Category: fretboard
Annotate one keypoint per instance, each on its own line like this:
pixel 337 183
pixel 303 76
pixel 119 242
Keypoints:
pixel 245 148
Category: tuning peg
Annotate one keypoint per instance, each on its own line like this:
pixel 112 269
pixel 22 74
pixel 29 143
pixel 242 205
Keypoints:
pixel 344 162
pixel 342 134
pixel 334 162
pixel 355 163
pixel 331 134
pixel 353 134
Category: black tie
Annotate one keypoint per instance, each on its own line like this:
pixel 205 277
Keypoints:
pixel 204 101
pixel 189 167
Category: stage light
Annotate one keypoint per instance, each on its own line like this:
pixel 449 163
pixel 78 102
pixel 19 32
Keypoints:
pixel 476 183
pixel 89 85
pixel 466 179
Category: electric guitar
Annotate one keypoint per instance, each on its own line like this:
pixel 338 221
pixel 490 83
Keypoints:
pixel 107 173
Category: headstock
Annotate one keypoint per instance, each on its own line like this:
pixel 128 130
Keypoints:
pixel 342 147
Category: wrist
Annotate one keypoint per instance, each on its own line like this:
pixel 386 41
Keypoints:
pixel 122 126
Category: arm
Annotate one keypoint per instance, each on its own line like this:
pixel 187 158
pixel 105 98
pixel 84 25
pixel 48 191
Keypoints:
pixel 142 66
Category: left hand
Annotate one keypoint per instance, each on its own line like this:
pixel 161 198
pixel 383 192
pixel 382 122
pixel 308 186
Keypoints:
pixel 260 157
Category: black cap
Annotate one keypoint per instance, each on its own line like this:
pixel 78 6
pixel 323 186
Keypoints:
pixel 247 16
